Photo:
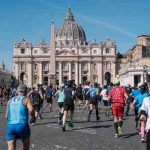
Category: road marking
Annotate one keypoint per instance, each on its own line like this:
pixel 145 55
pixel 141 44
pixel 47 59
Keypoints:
pixel 60 147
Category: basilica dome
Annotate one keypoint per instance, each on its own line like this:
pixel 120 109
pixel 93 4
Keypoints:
pixel 70 30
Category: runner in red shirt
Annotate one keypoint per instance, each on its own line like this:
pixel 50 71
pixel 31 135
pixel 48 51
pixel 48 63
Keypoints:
pixel 118 96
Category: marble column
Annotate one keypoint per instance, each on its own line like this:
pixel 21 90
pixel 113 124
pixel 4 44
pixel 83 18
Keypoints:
pixel 40 73
pixel 30 74
pixel 80 72
pixel 16 71
pixel 89 71
pixel 70 71
pixel 113 71
pixel 60 72
pixel 142 78
pixel 76 73
pixel 100 72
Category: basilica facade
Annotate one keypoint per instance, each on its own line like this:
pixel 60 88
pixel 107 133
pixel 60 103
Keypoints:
pixel 68 57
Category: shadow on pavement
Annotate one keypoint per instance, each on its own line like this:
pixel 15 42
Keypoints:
pixel 129 135
pixel 44 123
pixel 91 127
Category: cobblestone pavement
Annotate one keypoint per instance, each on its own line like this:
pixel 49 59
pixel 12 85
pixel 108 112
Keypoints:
pixel 47 134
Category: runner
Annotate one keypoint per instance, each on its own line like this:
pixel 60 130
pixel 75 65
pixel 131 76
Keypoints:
pixel 17 119
pixel 49 99
pixel 93 101
pixel 37 100
pixel 68 104
pixel 109 88
pixel 145 113
pixel 135 93
pixel 86 97
pixel 139 100
pixel 130 98
pixel 60 95
pixel 118 96
pixel 79 94
pixel 104 98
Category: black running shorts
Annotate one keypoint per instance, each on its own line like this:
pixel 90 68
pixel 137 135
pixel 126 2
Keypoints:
pixel 69 106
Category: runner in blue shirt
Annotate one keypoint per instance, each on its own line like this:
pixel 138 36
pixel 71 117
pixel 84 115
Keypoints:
pixel 139 100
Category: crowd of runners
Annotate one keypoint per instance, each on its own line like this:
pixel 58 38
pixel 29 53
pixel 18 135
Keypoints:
pixel 117 101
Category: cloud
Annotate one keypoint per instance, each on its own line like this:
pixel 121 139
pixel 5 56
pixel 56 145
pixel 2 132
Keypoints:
pixel 108 25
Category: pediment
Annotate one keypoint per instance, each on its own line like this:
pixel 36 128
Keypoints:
pixel 65 53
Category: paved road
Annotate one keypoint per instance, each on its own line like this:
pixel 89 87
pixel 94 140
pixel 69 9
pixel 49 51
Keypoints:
pixel 47 134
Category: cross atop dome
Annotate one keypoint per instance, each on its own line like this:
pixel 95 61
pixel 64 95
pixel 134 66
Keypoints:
pixel 69 15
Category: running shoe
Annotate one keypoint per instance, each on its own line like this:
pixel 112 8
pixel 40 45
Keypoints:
pixel 119 130
pixel 142 140
pixel 116 135
pixel 98 118
pixel 32 124
pixel 70 125
pixel 63 128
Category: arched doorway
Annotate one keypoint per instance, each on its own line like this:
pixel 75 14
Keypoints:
pixel 23 77
pixel 108 77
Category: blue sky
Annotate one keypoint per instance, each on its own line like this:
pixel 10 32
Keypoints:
pixel 120 20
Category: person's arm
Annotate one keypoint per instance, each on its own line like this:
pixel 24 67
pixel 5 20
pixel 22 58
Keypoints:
pixel 126 96
pixel 30 92
pixel 6 113
pixel 87 92
pixel 56 94
pixel 110 95
pixel 101 94
pixel 41 94
pixel 28 103
pixel 134 102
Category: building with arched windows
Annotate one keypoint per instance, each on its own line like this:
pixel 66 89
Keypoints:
pixel 68 56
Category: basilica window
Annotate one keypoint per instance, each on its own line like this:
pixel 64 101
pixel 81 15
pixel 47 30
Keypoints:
pixel 65 66
pixel 84 66
pixel 94 51
pixel 45 66
pixel 22 51
pixel 73 66
pixel 94 66
pixel 107 65
pixel 145 52
pixel 57 66
pixel 45 51
pixel 35 51
pixel 35 66
pixel 107 50
pixel 22 66
pixel 148 78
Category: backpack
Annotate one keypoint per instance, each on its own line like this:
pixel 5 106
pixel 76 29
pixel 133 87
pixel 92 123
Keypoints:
pixel 79 90
pixel 36 98
pixel 49 92
pixel 93 93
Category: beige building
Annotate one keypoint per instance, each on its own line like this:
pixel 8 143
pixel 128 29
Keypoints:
pixel 5 76
pixel 69 56
pixel 134 67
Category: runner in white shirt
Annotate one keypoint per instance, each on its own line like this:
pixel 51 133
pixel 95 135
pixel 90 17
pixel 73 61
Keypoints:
pixel 145 116
pixel 104 97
